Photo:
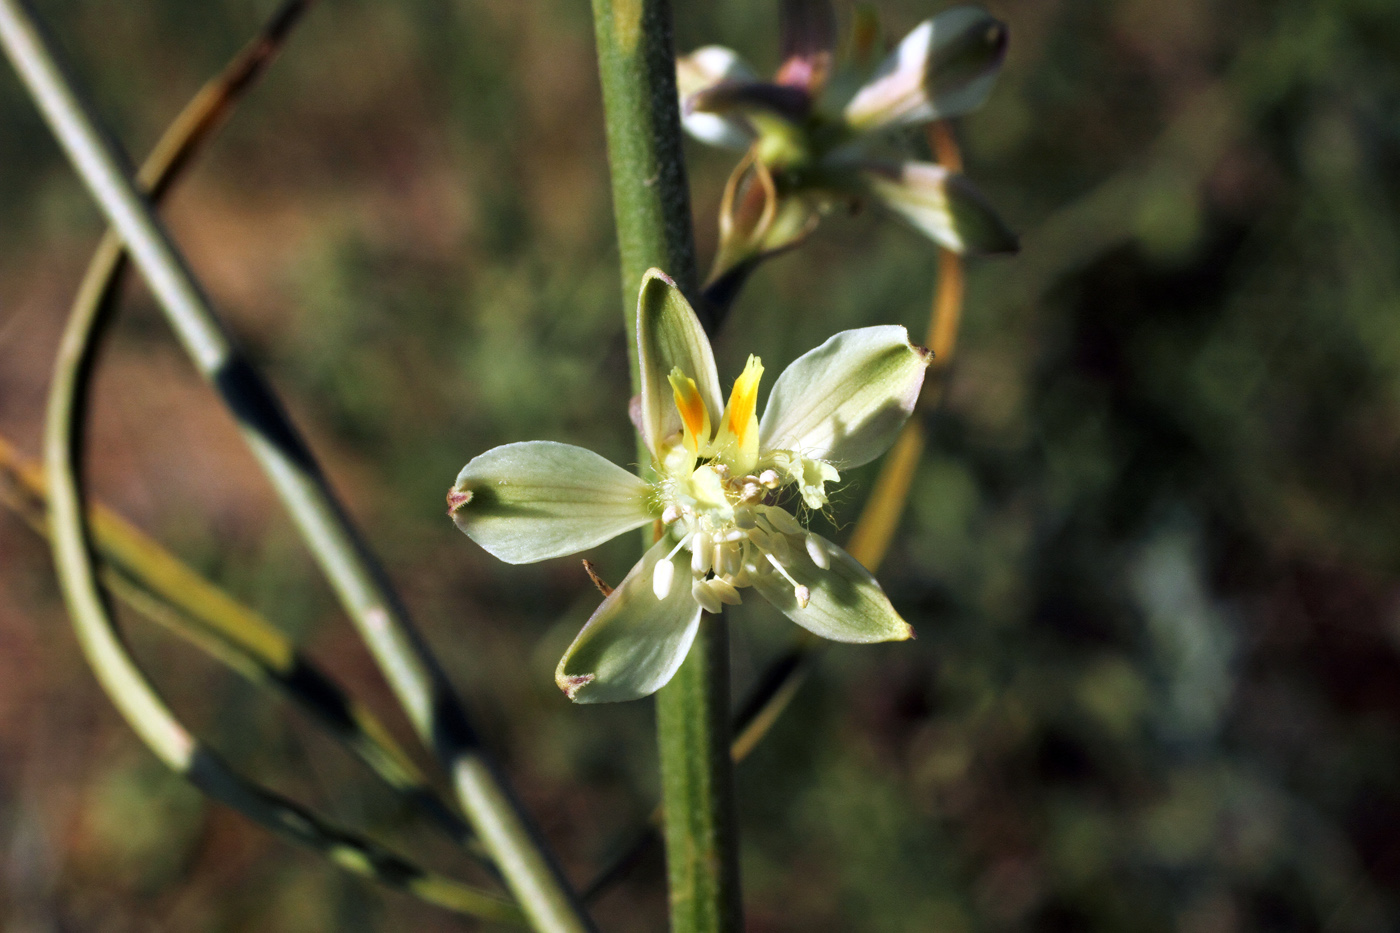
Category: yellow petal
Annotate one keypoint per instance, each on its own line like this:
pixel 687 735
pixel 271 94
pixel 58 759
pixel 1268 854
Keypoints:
pixel 695 416
pixel 737 442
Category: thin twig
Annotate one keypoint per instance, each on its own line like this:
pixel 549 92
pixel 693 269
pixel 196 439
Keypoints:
pixel 96 631
pixel 164 589
pixel 401 653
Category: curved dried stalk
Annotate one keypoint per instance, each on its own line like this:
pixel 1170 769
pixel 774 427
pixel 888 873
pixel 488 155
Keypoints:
pixel 158 585
pixel 96 631
pixel 412 672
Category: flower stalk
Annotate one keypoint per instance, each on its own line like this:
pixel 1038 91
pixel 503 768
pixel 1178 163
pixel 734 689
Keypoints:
pixel 651 202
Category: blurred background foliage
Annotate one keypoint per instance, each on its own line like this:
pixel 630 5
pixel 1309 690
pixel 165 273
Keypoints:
pixel 1152 554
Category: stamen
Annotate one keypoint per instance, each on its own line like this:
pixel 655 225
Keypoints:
pixel 817 551
pixel 670 514
pixel 724 590
pixel 728 557
pixel 701 551
pixel 800 592
pixel 769 478
pixel 783 522
pixel 679 544
pixel 778 544
pixel 777 565
pixel 663 577
pixel 760 538
pixel 707 599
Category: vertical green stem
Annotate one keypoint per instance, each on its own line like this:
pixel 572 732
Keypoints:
pixel 697 787
pixel 636 62
pixel 650 199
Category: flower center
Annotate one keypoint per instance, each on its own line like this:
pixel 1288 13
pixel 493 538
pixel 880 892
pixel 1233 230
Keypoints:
pixel 723 510
pixel 734 537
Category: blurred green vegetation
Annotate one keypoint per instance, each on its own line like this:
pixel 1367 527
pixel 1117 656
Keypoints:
pixel 1152 556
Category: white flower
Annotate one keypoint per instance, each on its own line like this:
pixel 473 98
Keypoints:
pixel 814 136
pixel 721 490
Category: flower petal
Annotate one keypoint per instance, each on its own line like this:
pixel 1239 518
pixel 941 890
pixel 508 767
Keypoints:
pixel 944 68
pixel 942 205
pixel 736 442
pixel 808 30
pixel 846 400
pixel 754 99
pixel 703 69
pixel 669 336
pixel 844 602
pixel 634 642
pixel 536 500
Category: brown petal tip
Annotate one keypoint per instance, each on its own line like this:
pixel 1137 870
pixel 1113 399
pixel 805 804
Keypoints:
pixel 456 498
pixel 571 685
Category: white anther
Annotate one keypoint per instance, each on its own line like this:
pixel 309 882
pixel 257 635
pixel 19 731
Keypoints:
pixel 752 492
pixel 760 538
pixel 706 597
pixel 701 550
pixel 662 578
pixel 769 478
pixel 724 590
pixel 783 522
pixel 778 544
pixel 804 596
pixel 816 550
pixel 670 514
pixel 728 557
pixel 735 534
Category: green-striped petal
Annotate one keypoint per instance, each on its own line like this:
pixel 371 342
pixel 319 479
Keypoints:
pixel 669 336
pixel 700 71
pixel 944 68
pixel 536 500
pixel 942 205
pixel 635 641
pixel 845 401
pixel 844 602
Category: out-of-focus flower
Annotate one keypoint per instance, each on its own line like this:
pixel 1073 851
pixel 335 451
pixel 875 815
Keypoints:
pixel 815 136
pixel 719 491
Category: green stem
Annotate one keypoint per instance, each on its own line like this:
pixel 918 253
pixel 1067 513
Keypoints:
pixel 418 682
pixel 651 201
pixel 697 787
pixel 636 62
